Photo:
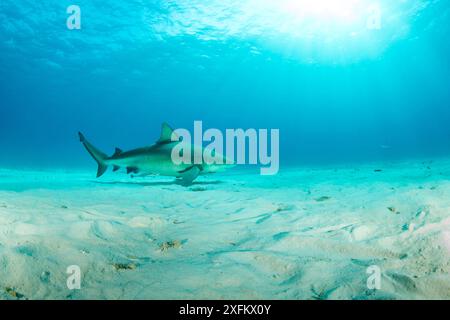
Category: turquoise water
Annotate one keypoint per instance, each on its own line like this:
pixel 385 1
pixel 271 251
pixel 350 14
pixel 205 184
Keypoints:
pixel 358 90
pixel 337 90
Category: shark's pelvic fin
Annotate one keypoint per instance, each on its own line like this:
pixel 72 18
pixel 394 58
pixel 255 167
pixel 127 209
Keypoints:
pixel 132 170
pixel 166 134
pixel 189 175
pixel 98 156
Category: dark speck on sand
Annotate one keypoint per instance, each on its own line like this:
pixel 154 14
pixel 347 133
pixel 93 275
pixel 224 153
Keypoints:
pixel 322 199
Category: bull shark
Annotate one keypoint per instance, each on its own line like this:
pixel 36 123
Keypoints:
pixel 153 160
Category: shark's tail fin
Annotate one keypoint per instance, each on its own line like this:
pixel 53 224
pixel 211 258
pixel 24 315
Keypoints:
pixel 98 156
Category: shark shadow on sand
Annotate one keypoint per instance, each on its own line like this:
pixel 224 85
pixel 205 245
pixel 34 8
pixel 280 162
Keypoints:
pixel 158 183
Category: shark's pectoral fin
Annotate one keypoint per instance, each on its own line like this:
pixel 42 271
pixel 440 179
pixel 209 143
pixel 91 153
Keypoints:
pixel 115 168
pixel 189 175
pixel 132 170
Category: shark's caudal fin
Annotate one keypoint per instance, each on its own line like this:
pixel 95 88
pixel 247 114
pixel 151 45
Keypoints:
pixel 98 156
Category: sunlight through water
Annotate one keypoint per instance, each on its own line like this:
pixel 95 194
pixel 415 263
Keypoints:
pixel 323 31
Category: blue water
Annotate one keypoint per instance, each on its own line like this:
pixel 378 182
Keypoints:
pixel 337 92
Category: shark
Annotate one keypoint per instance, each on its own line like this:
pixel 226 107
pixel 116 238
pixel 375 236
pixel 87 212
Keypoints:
pixel 154 160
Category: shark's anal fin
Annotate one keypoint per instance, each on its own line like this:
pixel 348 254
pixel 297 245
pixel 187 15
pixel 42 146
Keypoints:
pixel 132 170
pixel 189 175
pixel 166 134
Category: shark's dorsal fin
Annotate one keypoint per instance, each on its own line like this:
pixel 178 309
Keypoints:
pixel 166 134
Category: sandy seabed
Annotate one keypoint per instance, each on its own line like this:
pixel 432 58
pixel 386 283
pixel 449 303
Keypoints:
pixel 303 234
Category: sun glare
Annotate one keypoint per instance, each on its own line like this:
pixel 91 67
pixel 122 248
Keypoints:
pixel 343 10
pixel 322 31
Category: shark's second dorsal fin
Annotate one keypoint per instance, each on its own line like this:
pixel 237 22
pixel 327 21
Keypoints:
pixel 166 134
pixel 117 152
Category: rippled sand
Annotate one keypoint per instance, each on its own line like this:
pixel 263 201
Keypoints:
pixel 304 234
